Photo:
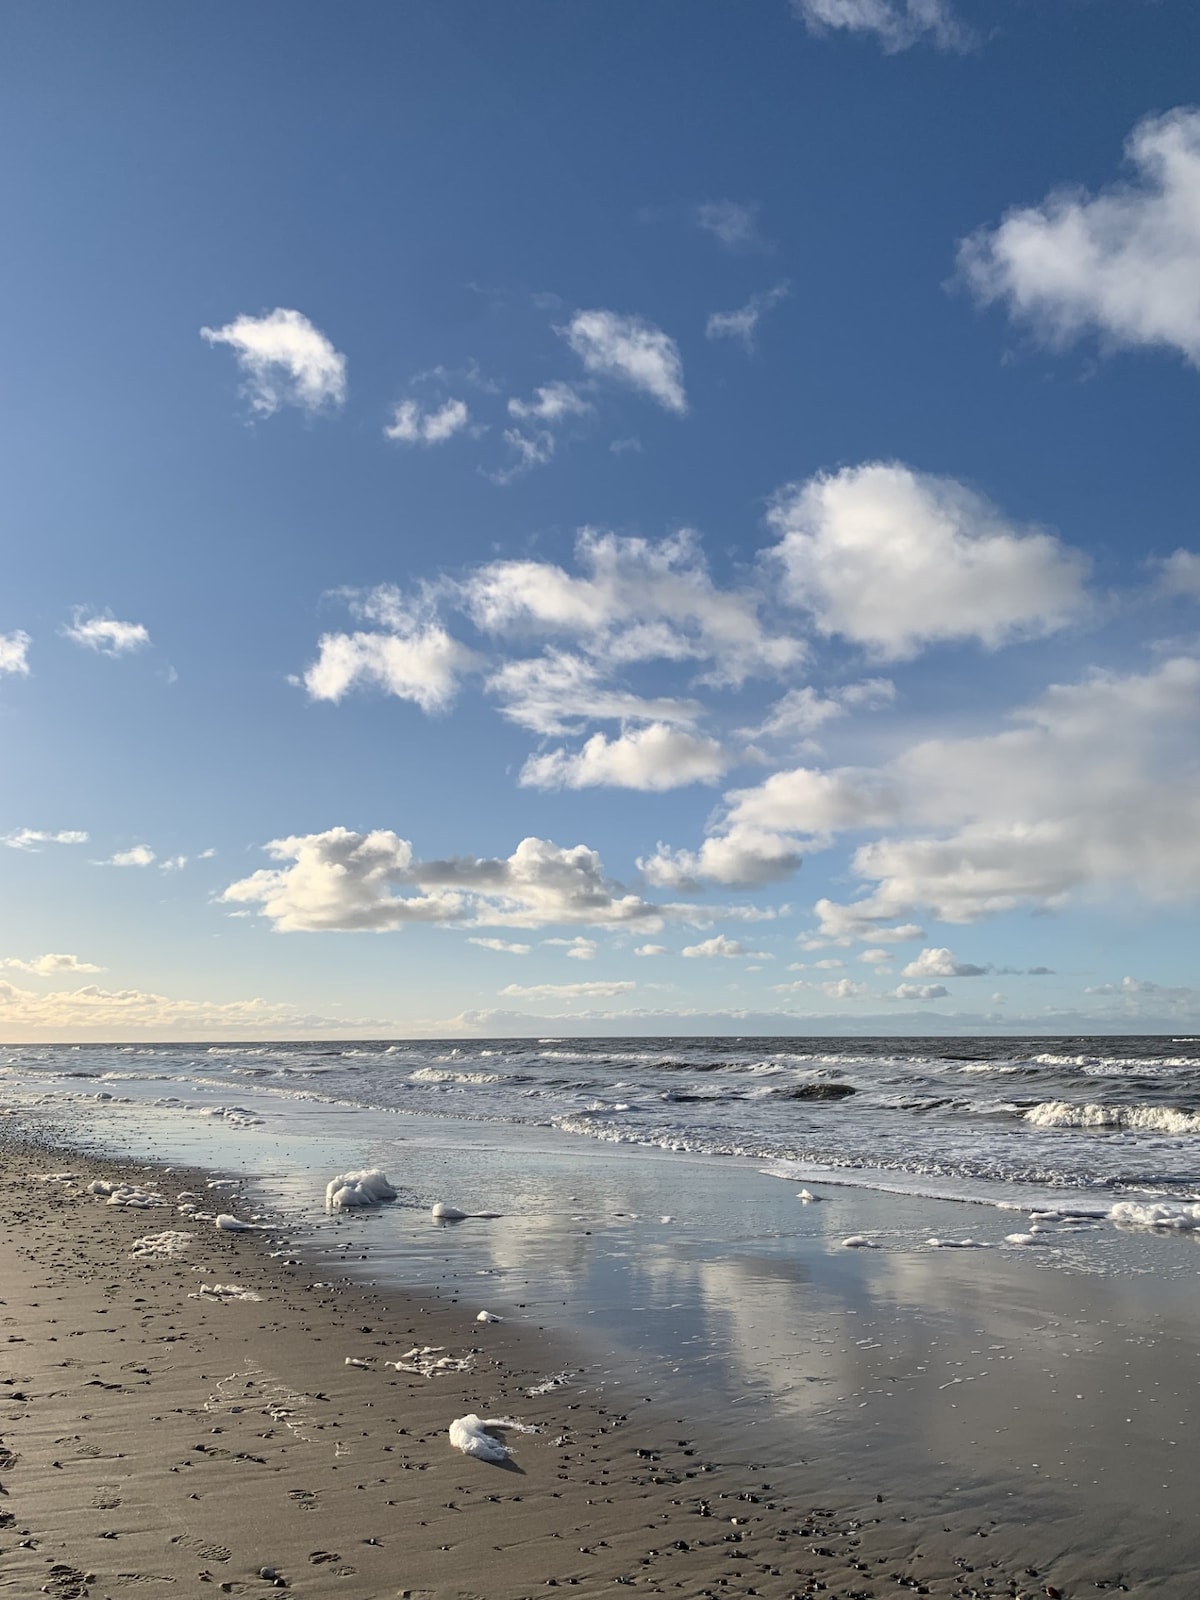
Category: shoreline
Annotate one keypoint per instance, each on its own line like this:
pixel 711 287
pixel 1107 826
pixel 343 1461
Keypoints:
pixel 617 1487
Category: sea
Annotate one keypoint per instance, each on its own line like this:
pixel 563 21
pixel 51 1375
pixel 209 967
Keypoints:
pixel 985 1119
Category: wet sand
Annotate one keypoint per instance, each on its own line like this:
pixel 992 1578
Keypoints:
pixel 159 1439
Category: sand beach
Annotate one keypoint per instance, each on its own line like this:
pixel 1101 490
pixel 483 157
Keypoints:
pixel 186 1410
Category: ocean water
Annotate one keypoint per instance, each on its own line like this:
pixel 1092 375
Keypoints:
pixel 999 1120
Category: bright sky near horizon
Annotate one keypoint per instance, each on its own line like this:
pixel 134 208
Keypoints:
pixel 631 516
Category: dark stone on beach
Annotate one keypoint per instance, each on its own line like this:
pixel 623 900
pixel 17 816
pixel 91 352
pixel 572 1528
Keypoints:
pixel 818 1091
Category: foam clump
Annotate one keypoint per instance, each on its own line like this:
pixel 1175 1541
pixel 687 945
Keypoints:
pixel 469 1434
pixel 442 1212
pixel 956 1244
pixel 367 1188
pixel 1020 1239
pixel 488 1316
pixel 430 1361
pixel 859 1241
pixel 231 1224
pixel 125 1194
pixel 223 1292
pixel 1182 1218
pixel 166 1246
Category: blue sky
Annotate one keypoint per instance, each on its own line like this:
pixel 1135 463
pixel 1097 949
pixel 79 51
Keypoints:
pixel 609 517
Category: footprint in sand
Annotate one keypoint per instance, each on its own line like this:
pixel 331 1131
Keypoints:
pixel 210 1552
pixel 304 1499
pixel 106 1498
pixel 66 1583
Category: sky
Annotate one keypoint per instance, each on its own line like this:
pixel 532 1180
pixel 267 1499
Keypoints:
pixel 619 517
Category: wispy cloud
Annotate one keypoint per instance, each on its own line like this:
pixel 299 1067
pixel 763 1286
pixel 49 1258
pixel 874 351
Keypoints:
pixel 101 631
pixel 14 653
pixel 733 222
pixel 34 838
pixel 742 324
pixel 567 991
pixel 138 855
pixel 285 361
pixel 49 966
pixel 896 24
pixel 631 351
pixel 413 424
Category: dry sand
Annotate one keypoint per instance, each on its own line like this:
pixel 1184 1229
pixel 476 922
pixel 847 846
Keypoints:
pixel 158 1441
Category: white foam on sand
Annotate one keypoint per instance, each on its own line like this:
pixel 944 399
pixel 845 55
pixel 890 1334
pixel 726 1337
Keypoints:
pixel 859 1241
pixel 430 1361
pixel 125 1194
pixel 223 1292
pixel 957 1244
pixel 168 1246
pixel 230 1224
pixel 488 1316
pixel 369 1187
pixel 1022 1239
pixel 1180 1217
pixel 469 1434
pixel 442 1212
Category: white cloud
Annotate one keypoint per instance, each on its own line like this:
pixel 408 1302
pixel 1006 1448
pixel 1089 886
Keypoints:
pixel 631 351
pixel 637 600
pixel 718 945
pixel 567 991
pixel 1141 986
pixel 413 424
pixel 14 653
pixel 802 712
pixel 577 949
pixel 656 758
pixel 557 692
pixel 1124 263
pixel 919 991
pixel 747 857
pixel 92 1012
pixel 894 560
pixel 651 950
pixel 286 361
pixel 339 881
pixel 552 403
pixel 1179 574
pixel 101 631
pixel 415 660
pixel 138 855
pixel 505 945
pixel 530 450
pixel 34 838
pixel 1094 791
pixel 743 323
pixel 874 957
pixel 48 966
pixel 730 221
pixel 843 989
pixel 897 24
pixel 942 963
pixel 173 864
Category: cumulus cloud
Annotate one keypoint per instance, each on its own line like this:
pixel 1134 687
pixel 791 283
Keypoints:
pixel 138 855
pixel 894 560
pixel 102 631
pixel 745 857
pixel 14 653
pixel 942 963
pixel 656 757
pixel 843 989
pixel 507 946
pixel 896 24
pixel 651 950
pixel 414 659
pixel 340 881
pixel 631 351
pixel 577 949
pixel 719 945
pixel 34 838
pixel 1093 791
pixel 285 361
pixel 413 424
pixel 730 221
pixel 1179 573
pixel 742 324
pixel 635 600
pixel 919 991
pixel 1121 263
pixel 802 712
pixel 567 991
pixel 49 966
